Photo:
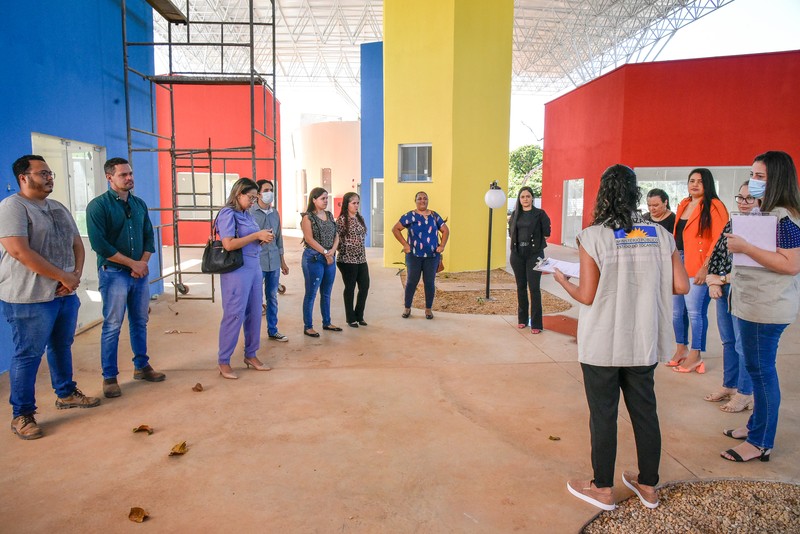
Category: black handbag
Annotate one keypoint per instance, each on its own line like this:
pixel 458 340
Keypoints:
pixel 217 260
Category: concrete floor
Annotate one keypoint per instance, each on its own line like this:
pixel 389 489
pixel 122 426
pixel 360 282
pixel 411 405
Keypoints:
pixel 401 426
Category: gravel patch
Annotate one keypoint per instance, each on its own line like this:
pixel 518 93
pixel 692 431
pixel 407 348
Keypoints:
pixel 709 507
pixel 504 301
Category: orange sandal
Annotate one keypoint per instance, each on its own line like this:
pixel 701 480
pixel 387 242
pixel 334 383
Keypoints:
pixel 699 368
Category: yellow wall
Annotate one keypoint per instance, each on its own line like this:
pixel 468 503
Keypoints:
pixel 447 81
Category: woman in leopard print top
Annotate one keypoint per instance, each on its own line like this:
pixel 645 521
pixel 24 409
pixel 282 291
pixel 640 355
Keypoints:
pixel 352 259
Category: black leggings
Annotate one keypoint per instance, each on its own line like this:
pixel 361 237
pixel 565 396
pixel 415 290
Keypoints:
pixel 602 385
pixel 528 280
pixel 354 274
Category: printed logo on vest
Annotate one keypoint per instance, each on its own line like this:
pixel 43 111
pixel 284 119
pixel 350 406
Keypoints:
pixel 639 236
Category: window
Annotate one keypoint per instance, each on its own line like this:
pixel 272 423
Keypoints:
pixel 414 163
pixel 672 180
pixel 79 170
pixel 195 191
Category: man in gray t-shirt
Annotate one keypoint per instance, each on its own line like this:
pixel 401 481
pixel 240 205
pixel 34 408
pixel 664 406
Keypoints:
pixel 41 258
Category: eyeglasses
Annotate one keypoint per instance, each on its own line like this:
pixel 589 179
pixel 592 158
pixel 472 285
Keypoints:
pixel 44 175
pixel 744 200
pixel 252 198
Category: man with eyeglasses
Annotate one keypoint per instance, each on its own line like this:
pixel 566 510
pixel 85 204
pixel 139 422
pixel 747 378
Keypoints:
pixel 121 234
pixel 41 259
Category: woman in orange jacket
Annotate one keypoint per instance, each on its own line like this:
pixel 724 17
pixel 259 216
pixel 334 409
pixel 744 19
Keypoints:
pixel 699 221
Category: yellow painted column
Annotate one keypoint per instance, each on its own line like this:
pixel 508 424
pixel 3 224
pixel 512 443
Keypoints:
pixel 447 82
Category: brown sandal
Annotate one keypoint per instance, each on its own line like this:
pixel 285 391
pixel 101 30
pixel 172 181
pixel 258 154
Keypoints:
pixel 720 395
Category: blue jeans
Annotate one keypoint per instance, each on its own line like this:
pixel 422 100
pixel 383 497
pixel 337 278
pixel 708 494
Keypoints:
pixel 318 276
pixel 34 327
pixel 760 344
pixel 119 290
pixel 734 373
pixel 272 280
pixel 427 267
pixel 691 309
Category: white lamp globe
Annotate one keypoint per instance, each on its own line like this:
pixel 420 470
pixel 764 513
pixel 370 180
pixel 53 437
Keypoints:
pixel 495 198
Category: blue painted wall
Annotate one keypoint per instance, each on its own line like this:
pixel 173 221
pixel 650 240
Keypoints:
pixel 63 74
pixel 371 125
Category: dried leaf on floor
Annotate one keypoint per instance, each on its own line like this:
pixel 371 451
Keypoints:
pixel 554 438
pixel 198 387
pixel 179 449
pixel 144 428
pixel 137 514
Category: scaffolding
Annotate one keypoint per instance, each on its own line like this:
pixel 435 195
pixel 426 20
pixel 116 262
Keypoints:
pixel 230 60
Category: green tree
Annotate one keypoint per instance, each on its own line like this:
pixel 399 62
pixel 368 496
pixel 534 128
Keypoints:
pixel 525 168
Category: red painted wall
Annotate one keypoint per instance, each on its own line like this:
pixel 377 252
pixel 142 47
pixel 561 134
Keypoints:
pixel 220 113
pixel 700 112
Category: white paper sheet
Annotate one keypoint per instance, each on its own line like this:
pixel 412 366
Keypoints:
pixel 760 230
pixel 549 265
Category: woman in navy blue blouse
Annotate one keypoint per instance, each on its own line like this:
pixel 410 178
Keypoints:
pixel 422 249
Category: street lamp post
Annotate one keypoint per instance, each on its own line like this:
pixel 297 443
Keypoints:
pixel 494 198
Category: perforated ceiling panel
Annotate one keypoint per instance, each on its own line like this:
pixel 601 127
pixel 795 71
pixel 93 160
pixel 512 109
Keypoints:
pixel 558 44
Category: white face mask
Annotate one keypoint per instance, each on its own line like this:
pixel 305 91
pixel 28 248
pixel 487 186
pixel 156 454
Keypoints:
pixel 267 197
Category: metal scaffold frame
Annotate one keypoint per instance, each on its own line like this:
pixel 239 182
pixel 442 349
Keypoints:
pixel 234 37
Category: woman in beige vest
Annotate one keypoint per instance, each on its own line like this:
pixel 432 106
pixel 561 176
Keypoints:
pixel 766 300
pixel 624 327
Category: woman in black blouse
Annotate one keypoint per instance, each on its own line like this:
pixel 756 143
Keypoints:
pixel 352 260
pixel 320 240
pixel 737 386
pixel 529 227
pixel 659 211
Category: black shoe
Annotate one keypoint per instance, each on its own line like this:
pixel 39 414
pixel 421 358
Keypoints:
pixel 406 314
pixel 332 328
pixel 310 333
pixel 354 324
pixel 362 322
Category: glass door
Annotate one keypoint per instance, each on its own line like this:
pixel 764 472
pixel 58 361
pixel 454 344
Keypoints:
pixel 573 212
pixel 79 178
pixel 376 213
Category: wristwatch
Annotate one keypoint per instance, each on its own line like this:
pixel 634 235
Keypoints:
pixel 724 279
pixel 325 252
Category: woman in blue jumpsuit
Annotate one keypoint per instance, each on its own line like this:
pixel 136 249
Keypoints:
pixel 241 289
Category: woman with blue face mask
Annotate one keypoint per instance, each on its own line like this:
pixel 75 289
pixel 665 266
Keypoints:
pixel 766 299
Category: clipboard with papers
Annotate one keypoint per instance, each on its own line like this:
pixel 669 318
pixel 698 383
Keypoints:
pixel 549 265
pixel 759 229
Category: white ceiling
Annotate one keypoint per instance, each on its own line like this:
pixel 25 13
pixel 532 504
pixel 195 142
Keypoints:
pixel 558 44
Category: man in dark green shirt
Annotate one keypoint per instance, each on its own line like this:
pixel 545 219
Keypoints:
pixel 121 234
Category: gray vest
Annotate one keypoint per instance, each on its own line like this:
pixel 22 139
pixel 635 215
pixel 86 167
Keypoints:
pixel 762 296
